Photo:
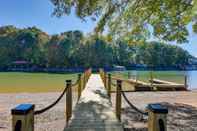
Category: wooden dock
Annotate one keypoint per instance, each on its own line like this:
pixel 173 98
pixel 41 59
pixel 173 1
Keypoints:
pixel 152 85
pixel 94 111
pixel 159 85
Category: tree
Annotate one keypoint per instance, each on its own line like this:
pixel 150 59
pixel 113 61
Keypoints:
pixel 29 45
pixel 167 18
pixel 7 36
pixel 73 49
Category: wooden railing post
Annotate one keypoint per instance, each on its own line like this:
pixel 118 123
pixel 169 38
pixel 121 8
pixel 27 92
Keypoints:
pixel 89 72
pixel 68 100
pixel 23 118
pixel 79 86
pixel 157 117
pixel 101 73
pixel 109 85
pixel 84 81
pixel 86 74
pixel 118 99
pixel 105 79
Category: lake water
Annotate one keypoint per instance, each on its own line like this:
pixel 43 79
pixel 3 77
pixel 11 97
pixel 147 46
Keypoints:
pixel 192 79
pixel 173 76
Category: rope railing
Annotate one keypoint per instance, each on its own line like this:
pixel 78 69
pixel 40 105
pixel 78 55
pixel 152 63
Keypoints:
pixel 156 112
pixel 55 102
pixel 27 110
pixel 58 99
pixel 125 97
pixel 51 105
pixel 133 106
pixel 108 82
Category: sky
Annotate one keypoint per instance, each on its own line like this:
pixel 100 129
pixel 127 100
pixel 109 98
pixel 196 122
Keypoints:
pixel 28 13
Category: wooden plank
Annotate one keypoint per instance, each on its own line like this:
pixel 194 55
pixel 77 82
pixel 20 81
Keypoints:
pixel 143 88
pixel 158 85
pixel 131 81
pixel 158 81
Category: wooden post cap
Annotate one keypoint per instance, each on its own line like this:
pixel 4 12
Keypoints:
pixel 22 109
pixel 157 108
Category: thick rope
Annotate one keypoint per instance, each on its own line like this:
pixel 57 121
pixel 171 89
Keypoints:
pixel 53 104
pixel 132 106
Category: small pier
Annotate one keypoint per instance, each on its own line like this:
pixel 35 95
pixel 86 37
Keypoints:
pixel 153 85
pixel 94 111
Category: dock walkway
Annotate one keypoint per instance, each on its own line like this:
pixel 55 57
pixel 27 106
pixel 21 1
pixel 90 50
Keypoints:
pixel 94 111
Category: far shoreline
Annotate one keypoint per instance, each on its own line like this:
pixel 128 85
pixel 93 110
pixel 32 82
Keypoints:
pixel 81 70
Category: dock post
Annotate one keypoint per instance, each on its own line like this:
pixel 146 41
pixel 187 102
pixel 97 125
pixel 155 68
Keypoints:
pixel 68 100
pixel 185 82
pixel 129 75
pixel 157 117
pixel 136 78
pixel 151 78
pixel 79 86
pixel 118 99
pixel 105 79
pixel 109 86
pixel 23 118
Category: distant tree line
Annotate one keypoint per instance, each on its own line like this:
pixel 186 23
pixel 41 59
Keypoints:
pixel 73 49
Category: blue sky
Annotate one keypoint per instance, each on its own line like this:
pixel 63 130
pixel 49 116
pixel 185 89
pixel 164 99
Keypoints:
pixel 26 13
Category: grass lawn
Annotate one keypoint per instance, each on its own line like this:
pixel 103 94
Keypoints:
pixel 15 82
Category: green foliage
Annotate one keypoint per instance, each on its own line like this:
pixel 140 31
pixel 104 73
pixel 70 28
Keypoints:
pixel 167 18
pixel 72 49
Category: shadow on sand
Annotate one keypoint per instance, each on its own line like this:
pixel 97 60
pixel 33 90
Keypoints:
pixel 181 117
pixel 94 114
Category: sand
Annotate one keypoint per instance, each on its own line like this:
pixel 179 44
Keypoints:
pixel 182 110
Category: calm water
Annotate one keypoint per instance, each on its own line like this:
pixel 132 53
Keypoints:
pixel 173 76
pixel 192 79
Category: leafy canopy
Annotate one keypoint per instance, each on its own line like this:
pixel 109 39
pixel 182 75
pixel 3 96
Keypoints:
pixel 168 19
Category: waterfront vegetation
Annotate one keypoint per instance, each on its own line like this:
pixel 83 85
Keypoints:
pixel 34 48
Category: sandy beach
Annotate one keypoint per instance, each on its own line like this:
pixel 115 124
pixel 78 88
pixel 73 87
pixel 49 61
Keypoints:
pixel 182 110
